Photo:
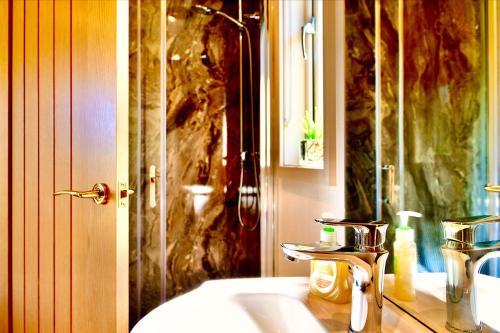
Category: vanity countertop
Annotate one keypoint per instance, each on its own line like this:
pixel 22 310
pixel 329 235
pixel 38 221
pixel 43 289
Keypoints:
pixel 430 304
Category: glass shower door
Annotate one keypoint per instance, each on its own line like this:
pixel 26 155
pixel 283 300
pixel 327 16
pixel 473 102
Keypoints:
pixel 194 138
pixel 147 228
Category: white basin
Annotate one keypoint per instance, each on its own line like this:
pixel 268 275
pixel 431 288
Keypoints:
pixel 261 305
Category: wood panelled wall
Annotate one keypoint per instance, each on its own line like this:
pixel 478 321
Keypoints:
pixel 58 132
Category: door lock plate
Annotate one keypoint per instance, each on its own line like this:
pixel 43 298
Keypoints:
pixel 123 195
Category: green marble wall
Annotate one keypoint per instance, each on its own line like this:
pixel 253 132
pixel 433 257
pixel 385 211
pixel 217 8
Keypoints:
pixel 445 116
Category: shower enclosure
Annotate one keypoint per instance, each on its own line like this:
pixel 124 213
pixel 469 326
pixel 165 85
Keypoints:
pixel 418 124
pixel 194 146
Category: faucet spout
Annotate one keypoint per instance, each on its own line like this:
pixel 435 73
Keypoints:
pixel 367 263
pixel 368 275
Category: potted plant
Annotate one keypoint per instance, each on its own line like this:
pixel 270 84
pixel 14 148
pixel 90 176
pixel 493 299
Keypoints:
pixel 311 148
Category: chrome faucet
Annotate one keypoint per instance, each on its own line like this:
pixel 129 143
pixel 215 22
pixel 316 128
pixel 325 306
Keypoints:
pixel 463 258
pixel 367 262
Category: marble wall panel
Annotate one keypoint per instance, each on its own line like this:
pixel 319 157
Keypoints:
pixel 204 238
pixel 360 109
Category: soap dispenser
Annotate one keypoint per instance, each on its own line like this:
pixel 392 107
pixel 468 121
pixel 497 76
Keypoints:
pixel 330 280
pixel 405 258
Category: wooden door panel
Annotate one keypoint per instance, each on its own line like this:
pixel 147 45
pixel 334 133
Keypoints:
pixel 62 165
pixel 46 165
pixel 94 125
pixel 31 166
pixel 17 157
pixel 66 251
pixel 4 166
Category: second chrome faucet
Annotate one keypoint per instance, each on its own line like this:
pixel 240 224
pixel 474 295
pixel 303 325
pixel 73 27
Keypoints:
pixel 463 259
pixel 367 259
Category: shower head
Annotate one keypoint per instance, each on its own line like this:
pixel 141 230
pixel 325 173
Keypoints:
pixel 200 9
pixel 203 10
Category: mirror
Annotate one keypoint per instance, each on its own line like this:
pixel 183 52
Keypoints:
pixel 422 126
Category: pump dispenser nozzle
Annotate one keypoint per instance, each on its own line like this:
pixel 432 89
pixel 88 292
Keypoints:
pixel 404 232
pixel 405 216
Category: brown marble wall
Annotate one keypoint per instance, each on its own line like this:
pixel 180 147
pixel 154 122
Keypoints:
pixel 360 109
pixel 445 113
pixel 204 238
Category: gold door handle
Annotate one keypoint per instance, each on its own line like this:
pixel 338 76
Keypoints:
pixel 492 188
pixel 100 193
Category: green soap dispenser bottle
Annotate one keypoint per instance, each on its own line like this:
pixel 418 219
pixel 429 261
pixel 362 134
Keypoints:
pixel 405 258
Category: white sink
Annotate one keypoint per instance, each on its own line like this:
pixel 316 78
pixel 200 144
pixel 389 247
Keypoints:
pixel 261 305
pixel 276 313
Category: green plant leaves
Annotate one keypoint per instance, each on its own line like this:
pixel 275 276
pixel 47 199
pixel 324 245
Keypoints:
pixel 312 131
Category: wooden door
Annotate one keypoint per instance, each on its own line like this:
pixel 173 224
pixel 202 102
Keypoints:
pixel 68 268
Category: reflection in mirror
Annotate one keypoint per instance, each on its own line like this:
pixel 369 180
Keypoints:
pixel 430 306
pixel 422 98
pixel 431 119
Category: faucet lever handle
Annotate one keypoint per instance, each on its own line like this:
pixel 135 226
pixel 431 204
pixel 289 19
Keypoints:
pixel 463 229
pixel 370 235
